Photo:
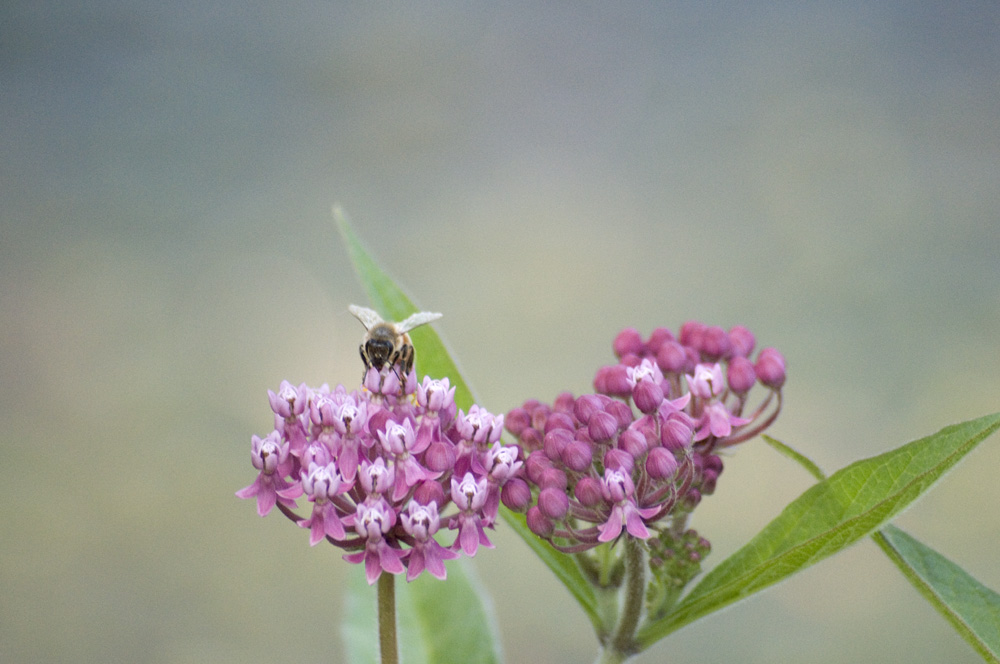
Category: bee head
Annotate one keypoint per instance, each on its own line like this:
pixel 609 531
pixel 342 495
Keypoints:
pixel 379 351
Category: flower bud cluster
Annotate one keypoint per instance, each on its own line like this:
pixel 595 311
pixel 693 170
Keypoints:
pixel 386 468
pixel 640 452
pixel 673 561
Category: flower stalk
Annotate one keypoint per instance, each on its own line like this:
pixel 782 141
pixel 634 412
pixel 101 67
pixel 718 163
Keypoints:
pixel 388 645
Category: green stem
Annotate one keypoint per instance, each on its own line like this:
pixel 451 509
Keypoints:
pixel 622 644
pixel 388 648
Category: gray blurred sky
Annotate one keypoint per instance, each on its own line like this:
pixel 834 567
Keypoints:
pixel 826 174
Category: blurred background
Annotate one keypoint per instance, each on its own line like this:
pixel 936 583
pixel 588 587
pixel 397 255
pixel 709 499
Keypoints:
pixel 825 174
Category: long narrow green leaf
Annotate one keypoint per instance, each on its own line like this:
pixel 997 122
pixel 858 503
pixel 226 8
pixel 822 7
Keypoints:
pixel 434 360
pixel 437 621
pixel 827 518
pixel 563 566
pixel 971 608
pixel 796 456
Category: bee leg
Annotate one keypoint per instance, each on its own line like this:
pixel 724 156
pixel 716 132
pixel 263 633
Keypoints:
pixel 406 358
pixel 403 360
pixel 364 360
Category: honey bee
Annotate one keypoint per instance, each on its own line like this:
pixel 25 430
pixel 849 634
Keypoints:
pixel 388 343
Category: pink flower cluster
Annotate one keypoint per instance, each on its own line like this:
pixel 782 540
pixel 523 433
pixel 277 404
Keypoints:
pixel 386 468
pixel 639 453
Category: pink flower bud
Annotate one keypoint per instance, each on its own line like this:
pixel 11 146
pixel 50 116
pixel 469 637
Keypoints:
pixel 553 477
pixel 602 427
pixel 564 402
pixel 708 480
pixel 587 405
pixel 531 438
pixel 740 374
pixel 660 463
pixel 428 492
pixel 553 503
pixel 577 455
pixel 676 435
pixel 770 368
pixel 630 360
pixel 536 465
pixel 377 422
pixel 538 523
pixel 742 341
pixel 612 381
pixel 715 343
pixel 559 421
pixel 615 459
pixel 657 338
pixel 588 491
pixel 621 412
pixel 691 332
pixel 555 441
pixel 440 456
pixel 672 358
pixel 647 396
pixel 712 462
pixel 517 420
pixel 516 494
pixel 633 441
pixel 539 416
pixel 628 341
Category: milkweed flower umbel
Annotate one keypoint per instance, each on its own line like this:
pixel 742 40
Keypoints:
pixel 389 468
pixel 634 458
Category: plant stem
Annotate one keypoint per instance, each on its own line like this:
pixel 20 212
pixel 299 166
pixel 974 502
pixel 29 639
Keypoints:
pixel 388 649
pixel 623 640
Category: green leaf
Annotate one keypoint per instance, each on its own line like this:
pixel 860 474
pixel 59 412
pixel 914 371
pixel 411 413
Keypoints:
pixel 827 518
pixel 434 360
pixel 563 566
pixel 795 456
pixel 359 628
pixel 437 621
pixel 971 608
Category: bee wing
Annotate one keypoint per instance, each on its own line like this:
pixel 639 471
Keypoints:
pixel 416 320
pixel 367 317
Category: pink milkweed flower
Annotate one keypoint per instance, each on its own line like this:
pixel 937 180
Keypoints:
pixel 376 477
pixel 716 420
pixel 504 466
pixel 476 430
pixel 322 484
pixel 707 381
pixel 479 425
pixel 617 488
pixel 288 404
pixel 270 456
pixel 645 370
pixel 469 495
pixel 400 442
pixel 290 401
pixel 372 521
pixel 350 416
pixel 435 395
pixel 421 522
